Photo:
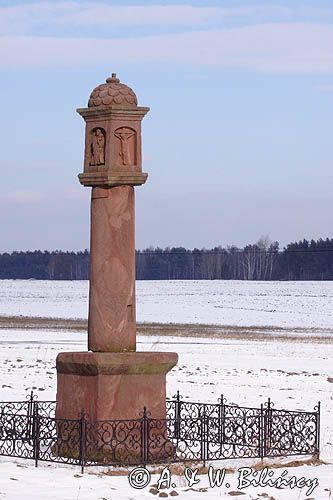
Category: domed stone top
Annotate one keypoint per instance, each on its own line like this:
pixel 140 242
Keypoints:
pixel 112 93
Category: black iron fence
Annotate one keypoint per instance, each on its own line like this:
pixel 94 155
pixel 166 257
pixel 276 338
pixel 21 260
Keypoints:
pixel 190 432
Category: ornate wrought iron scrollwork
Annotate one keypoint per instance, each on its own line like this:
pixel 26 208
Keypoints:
pixel 190 432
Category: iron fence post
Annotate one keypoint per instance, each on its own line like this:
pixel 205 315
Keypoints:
pixel 204 437
pixel 145 436
pixel 177 415
pixel 221 436
pixel 30 414
pixel 36 428
pixel 317 452
pixel 82 444
pixel 261 432
pixel 268 428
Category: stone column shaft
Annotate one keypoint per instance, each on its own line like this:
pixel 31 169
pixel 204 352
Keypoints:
pixel 111 324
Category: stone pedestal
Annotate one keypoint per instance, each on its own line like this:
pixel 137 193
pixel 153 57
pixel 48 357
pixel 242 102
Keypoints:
pixel 112 386
pixel 113 389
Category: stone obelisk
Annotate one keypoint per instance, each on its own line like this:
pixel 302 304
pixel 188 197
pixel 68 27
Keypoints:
pixel 112 380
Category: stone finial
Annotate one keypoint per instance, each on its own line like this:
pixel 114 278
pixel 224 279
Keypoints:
pixel 113 78
pixel 113 94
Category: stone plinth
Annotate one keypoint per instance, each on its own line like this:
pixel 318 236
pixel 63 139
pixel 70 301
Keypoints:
pixel 113 389
pixel 112 386
pixel 111 324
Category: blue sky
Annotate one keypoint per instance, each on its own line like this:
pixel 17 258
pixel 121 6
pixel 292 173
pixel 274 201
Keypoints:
pixel 238 142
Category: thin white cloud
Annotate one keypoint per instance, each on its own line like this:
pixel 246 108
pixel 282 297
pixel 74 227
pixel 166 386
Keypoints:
pixel 36 17
pixel 271 47
pixel 325 88
pixel 23 197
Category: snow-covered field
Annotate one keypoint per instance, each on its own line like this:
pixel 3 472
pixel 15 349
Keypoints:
pixel 305 305
pixel 295 374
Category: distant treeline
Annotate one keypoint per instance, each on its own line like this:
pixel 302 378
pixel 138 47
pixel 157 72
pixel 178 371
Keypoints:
pixel 305 260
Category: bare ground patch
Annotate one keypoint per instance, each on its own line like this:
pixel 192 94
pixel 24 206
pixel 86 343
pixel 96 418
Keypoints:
pixel 253 333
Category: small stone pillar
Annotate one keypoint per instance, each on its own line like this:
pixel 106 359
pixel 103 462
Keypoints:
pixel 111 381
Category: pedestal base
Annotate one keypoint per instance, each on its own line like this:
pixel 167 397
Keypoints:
pixel 113 389
pixel 112 386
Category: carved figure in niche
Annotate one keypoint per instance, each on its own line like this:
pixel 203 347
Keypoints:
pixel 126 136
pixel 97 148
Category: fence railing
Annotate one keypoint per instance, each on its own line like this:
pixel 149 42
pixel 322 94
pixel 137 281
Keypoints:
pixel 190 432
